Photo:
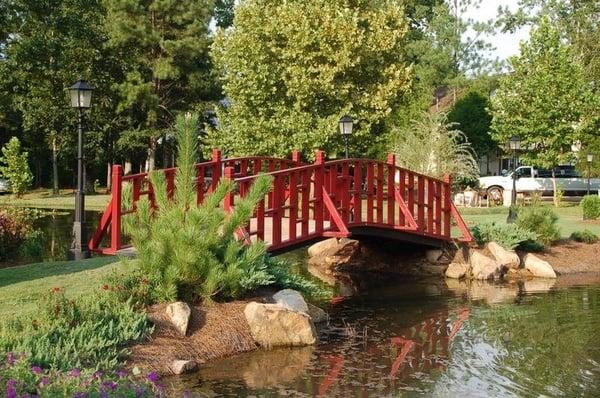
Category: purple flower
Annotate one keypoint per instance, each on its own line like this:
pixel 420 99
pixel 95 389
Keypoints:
pixel 153 377
pixel 98 374
pixel 82 394
pixel 139 391
pixel 121 374
pixel 75 373
pixel 11 392
pixel 45 381
pixel 36 369
pixel 11 358
pixel 11 383
pixel 111 385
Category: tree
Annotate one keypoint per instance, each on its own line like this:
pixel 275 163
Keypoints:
pixel 15 168
pixel 432 146
pixel 164 46
pixel 545 100
pixel 289 78
pixel 471 115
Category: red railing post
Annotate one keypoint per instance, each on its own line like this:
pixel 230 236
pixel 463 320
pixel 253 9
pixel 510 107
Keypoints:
pixel 447 210
pixel 296 157
pixel 216 169
pixel 319 181
pixel 229 201
pixel 391 188
pixel 115 225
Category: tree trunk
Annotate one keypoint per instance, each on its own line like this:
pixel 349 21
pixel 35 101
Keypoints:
pixel 108 176
pixel 151 159
pixel 127 168
pixel 554 197
pixel 55 189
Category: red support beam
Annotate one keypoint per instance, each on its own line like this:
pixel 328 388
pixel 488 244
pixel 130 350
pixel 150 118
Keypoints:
pixel 115 226
pixel 391 189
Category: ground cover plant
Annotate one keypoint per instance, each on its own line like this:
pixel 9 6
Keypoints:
pixel 17 233
pixel 191 252
pixel 509 236
pixel 19 379
pixel 585 236
pixel 542 220
pixel 590 204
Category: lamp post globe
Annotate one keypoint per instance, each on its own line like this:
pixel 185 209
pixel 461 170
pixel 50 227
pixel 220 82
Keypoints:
pixel 81 98
pixel 346 125
pixel 515 145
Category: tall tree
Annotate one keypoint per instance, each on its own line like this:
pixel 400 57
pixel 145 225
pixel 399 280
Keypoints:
pixel 472 117
pixel 164 48
pixel 289 78
pixel 545 100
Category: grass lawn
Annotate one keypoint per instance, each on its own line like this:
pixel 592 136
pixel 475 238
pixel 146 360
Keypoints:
pixel 21 287
pixel 570 218
pixel 44 199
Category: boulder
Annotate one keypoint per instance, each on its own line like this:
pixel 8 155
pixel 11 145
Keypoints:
pixel 324 246
pixel 433 255
pixel 484 267
pixel 291 299
pixel 506 258
pixel 456 270
pixel 272 325
pixel 317 314
pixel 179 367
pixel 179 314
pixel 538 267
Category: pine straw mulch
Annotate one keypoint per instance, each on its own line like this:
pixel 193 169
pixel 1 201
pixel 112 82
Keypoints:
pixel 215 330
pixel 570 257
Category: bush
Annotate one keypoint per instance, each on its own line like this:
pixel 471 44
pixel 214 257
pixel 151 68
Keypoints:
pixel 87 333
pixel 16 167
pixel 508 236
pixel 591 207
pixel 585 236
pixel 542 221
pixel 191 251
pixel 19 379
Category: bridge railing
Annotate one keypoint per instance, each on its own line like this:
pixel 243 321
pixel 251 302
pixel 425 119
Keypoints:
pixel 208 175
pixel 322 199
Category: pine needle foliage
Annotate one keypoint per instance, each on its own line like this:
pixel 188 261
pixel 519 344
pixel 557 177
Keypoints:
pixel 191 251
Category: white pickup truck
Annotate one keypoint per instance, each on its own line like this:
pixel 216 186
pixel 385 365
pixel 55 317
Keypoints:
pixel 530 180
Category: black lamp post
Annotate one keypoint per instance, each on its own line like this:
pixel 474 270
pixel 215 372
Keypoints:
pixel 514 145
pixel 81 98
pixel 590 159
pixel 346 125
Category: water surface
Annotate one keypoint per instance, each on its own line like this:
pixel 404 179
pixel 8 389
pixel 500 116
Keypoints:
pixel 428 338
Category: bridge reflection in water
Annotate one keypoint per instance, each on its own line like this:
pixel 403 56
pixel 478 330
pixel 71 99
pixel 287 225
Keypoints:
pixel 350 362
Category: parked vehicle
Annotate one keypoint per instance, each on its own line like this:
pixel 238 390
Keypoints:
pixel 532 180
pixel 4 185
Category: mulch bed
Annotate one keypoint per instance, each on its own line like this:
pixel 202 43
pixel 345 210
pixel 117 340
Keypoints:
pixel 570 257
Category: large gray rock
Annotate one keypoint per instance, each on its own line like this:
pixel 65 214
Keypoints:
pixel 291 299
pixel 179 367
pixel 456 270
pixel 433 255
pixel 506 258
pixel 317 314
pixel 538 267
pixel 272 325
pixel 179 314
pixel 484 267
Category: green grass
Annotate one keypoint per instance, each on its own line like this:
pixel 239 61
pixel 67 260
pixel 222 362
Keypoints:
pixel 44 199
pixel 570 218
pixel 21 287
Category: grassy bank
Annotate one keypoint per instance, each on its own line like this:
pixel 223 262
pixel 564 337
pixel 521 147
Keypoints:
pixel 22 287
pixel 570 218
pixel 45 199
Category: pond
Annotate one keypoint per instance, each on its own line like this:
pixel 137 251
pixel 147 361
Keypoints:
pixel 56 227
pixel 430 338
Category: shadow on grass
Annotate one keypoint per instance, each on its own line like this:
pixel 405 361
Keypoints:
pixel 30 272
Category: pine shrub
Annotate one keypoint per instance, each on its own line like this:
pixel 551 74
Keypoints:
pixel 585 236
pixel 542 221
pixel 590 205
pixel 191 251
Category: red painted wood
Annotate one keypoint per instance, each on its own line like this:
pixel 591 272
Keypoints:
pixel 296 157
pixel 305 191
pixel 430 204
pixel 438 208
pixel 411 192
pixel 391 189
pixel 229 198
pixel 357 200
pixel 216 169
pixel 276 215
pixel 336 217
pixel 421 203
pixel 115 227
pixel 447 204
pixel 318 188
pixel 370 190
pixel 402 189
pixel 345 193
pixel 293 208
pixel 379 193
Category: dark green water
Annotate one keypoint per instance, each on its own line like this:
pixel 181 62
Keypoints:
pixel 428 338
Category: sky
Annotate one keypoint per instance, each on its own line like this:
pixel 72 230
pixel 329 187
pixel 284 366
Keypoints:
pixel 506 44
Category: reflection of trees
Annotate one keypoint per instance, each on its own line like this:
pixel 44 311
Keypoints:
pixel 549 343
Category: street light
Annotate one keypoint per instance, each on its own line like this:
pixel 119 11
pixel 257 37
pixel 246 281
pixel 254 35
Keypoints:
pixel 346 125
pixel 590 159
pixel 514 145
pixel 81 98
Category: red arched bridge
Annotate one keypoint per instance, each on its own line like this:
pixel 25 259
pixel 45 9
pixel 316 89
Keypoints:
pixel 335 198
